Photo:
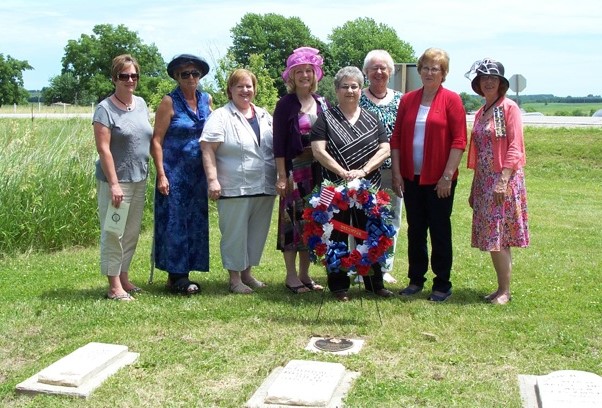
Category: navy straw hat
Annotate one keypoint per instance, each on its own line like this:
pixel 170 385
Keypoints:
pixel 185 59
pixel 483 67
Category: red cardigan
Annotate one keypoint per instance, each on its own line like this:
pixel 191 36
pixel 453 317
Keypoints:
pixel 445 130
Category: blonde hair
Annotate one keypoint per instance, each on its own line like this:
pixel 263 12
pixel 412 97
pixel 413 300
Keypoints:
pixel 437 56
pixel 291 86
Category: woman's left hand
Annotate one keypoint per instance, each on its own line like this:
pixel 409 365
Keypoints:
pixel 499 191
pixel 443 188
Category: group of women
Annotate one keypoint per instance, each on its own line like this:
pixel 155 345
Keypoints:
pixel 242 157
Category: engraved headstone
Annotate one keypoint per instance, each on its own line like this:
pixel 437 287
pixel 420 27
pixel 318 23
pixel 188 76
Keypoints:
pixel 305 383
pixel 569 389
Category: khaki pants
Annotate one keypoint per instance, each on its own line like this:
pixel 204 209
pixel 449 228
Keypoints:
pixel 116 253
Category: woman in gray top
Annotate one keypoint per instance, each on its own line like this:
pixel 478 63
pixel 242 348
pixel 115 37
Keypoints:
pixel 122 132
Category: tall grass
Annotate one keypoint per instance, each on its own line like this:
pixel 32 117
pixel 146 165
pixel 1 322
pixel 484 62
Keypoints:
pixel 47 185
pixel 215 349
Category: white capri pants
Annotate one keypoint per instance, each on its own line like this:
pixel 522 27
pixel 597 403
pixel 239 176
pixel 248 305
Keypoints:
pixel 116 253
pixel 244 223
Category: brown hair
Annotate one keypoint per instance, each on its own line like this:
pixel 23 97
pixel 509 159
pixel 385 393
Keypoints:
pixel 120 62
pixel 236 76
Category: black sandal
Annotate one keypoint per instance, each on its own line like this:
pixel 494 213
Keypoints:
pixel 184 286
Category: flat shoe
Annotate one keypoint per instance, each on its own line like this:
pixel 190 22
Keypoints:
pixel 241 289
pixel 135 289
pixel 313 286
pixel 341 296
pixel 439 298
pixel 383 293
pixel 410 290
pixel 254 283
pixel 124 297
pixel 297 289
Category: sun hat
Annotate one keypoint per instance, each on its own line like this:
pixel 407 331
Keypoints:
pixel 185 59
pixel 486 66
pixel 304 55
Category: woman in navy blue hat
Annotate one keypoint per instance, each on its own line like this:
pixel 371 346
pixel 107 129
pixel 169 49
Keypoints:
pixel 498 196
pixel 181 243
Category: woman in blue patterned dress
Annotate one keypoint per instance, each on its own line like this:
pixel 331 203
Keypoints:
pixel 181 241
pixel 383 101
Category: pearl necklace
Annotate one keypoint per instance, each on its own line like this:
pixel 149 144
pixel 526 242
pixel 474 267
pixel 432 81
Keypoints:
pixel 128 106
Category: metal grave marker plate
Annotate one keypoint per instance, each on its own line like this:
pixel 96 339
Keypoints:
pixel 333 345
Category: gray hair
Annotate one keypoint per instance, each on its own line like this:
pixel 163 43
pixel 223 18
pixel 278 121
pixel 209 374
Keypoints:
pixel 378 54
pixel 349 72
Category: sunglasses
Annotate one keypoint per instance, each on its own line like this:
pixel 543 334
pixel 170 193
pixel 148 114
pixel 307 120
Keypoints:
pixel 187 74
pixel 126 77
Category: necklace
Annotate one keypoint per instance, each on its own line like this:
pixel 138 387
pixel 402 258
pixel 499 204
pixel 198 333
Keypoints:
pixel 379 97
pixel 490 106
pixel 128 106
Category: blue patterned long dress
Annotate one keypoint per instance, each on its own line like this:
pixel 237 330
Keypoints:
pixel 181 224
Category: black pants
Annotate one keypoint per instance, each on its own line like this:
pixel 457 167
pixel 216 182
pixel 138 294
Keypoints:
pixel 427 213
pixel 339 281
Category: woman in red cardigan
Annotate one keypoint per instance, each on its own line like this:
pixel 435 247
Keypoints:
pixel 427 144
pixel 498 196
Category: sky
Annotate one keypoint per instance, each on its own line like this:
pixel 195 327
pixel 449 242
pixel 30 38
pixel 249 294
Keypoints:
pixel 556 45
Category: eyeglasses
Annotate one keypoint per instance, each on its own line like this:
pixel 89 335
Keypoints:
pixel 489 78
pixel 126 77
pixel 187 74
pixel 353 87
pixel 432 70
pixel 379 68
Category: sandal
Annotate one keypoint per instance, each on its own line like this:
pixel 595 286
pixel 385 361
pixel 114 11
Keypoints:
pixel 184 286
pixel 313 286
pixel 124 297
pixel 298 289
pixel 241 289
pixel 254 283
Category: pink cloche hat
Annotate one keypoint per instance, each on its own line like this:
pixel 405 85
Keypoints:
pixel 304 55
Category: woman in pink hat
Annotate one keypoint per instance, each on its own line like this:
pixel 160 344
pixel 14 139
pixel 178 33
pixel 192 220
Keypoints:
pixel 294 116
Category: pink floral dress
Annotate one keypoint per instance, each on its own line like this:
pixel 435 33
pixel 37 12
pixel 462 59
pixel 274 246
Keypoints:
pixel 496 226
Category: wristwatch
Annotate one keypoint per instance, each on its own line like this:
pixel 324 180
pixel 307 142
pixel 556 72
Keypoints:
pixel 446 178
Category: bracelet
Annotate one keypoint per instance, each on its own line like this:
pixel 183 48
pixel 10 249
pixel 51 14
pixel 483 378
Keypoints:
pixel 365 172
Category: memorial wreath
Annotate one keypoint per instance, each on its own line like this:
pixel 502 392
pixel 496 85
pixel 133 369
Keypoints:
pixel 328 199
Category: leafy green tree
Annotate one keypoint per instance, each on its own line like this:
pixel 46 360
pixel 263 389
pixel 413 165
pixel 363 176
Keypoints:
pixel 11 80
pixel 218 84
pixel 350 43
pixel 65 87
pixel 89 59
pixel 471 102
pixel 275 37
pixel 266 93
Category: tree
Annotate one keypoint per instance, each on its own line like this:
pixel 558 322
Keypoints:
pixel 11 80
pixel 471 102
pixel 273 36
pixel 89 59
pixel 65 88
pixel 350 43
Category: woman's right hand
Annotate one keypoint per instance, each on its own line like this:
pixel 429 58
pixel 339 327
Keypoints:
pixel 214 190
pixel 397 186
pixel 163 184
pixel 282 186
pixel 116 195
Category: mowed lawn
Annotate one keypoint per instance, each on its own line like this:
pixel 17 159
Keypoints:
pixel 215 349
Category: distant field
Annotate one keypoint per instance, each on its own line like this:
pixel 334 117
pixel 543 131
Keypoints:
pixel 562 109
pixel 41 108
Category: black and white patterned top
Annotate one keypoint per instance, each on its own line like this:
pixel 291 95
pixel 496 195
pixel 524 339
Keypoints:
pixel 351 146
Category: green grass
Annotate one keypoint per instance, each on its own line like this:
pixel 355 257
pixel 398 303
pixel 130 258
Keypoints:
pixel 562 109
pixel 215 349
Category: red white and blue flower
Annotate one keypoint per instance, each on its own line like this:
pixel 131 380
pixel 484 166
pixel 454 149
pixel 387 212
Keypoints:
pixel 328 199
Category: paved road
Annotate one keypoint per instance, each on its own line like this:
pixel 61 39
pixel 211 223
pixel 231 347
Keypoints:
pixel 528 120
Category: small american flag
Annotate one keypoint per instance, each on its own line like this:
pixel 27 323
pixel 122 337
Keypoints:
pixel 326 196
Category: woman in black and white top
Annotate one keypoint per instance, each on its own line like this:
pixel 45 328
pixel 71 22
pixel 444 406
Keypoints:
pixel 350 142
